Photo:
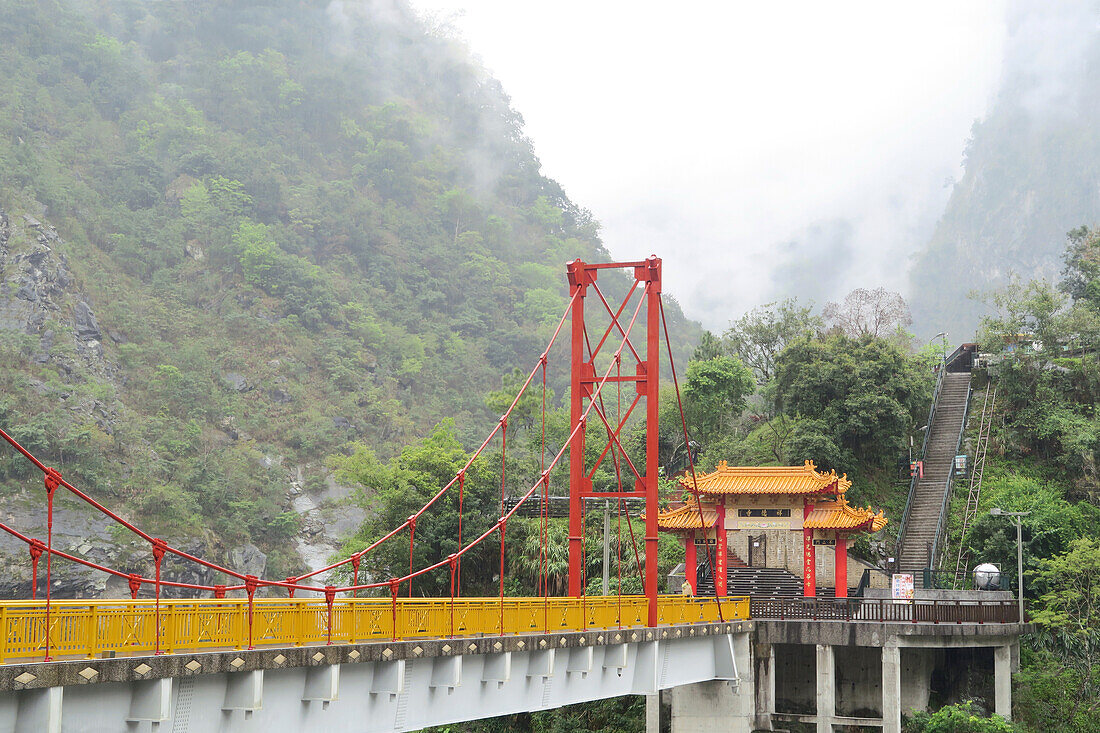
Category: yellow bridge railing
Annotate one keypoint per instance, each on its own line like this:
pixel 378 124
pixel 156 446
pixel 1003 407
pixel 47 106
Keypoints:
pixel 125 627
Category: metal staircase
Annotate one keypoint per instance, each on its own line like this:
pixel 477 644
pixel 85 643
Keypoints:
pixel 921 533
pixel 975 492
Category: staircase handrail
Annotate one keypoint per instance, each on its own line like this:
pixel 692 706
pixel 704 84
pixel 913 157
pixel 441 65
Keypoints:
pixel 914 476
pixel 977 472
pixel 941 525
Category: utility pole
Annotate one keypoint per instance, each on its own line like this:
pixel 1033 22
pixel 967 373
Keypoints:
pixel 1016 518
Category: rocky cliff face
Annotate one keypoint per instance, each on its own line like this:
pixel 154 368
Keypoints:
pixel 42 306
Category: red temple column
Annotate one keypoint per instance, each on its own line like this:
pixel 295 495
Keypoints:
pixel 720 551
pixel 809 574
pixel 690 571
pixel 840 568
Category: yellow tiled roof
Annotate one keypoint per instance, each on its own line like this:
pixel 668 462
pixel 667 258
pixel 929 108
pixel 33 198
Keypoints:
pixel 839 515
pixel 686 517
pixel 804 479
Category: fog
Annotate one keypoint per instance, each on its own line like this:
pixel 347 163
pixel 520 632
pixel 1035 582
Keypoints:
pixel 764 151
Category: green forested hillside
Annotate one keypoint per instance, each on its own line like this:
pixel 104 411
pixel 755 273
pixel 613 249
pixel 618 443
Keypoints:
pixel 239 235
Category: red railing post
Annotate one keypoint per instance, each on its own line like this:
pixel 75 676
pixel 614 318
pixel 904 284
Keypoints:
pixel 395 584
pixel 160 547
pixel 330 597
pixel 291 582
pixel 454 567
pixel 458 570
pixel 250 584
pixel 355 560
pixel 52 480
pixel 412 535
pixel 502 526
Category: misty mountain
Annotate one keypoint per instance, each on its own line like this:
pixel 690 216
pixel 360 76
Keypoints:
pixel 1032 172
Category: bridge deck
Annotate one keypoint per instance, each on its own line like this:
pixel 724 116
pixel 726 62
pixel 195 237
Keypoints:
pixel 97 628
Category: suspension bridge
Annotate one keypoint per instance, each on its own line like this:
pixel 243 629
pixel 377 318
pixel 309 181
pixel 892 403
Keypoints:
pixel 255 653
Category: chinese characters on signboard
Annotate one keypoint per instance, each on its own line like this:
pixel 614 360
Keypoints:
pixel 901 587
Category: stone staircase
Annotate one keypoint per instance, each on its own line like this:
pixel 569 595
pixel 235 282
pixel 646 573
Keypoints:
pixel 939 460
pixel 745 581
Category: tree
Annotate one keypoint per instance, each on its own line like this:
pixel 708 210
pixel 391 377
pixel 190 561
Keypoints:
pixel 714 393
pixel 1081 274
pixel 864 392
pixel 1038 314
pixel 1069 612
pixel 392 492
pixel 959 718
pixel 529 406
pixel 877 313
pixel 710 347
pixel 1072 581
pixel 759 336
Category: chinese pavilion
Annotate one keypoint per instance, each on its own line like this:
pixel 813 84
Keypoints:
pixel 770 517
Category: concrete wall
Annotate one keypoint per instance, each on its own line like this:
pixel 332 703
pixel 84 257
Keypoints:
pixel 858 681
pixel 917 666
pixel 795 678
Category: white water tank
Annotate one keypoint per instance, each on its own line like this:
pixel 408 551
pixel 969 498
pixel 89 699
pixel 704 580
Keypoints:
pixel 987 576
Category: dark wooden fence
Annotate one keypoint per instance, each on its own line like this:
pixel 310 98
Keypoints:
pixel 885 610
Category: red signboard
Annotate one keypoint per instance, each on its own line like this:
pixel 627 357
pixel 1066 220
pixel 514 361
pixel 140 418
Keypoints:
pixel 720 552
pixel 809 577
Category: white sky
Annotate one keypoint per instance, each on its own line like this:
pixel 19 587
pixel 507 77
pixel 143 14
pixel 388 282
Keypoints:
pixel 763 150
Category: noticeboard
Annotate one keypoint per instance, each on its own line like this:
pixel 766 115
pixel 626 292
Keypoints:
pixel 901 587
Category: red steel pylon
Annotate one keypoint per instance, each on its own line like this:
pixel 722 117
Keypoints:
pixel 646 378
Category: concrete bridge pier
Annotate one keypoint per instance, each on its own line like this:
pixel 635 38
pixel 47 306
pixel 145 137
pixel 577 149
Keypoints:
pixel 871 675
pixel 726 703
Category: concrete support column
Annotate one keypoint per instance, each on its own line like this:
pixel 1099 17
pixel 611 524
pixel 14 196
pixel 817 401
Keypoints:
pixel 891 688
pixel 763 660
pixel 653 713
pixel 826 688
pixel 706 707
pixel 746 695
pixel 1002 681
pixel 39 711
